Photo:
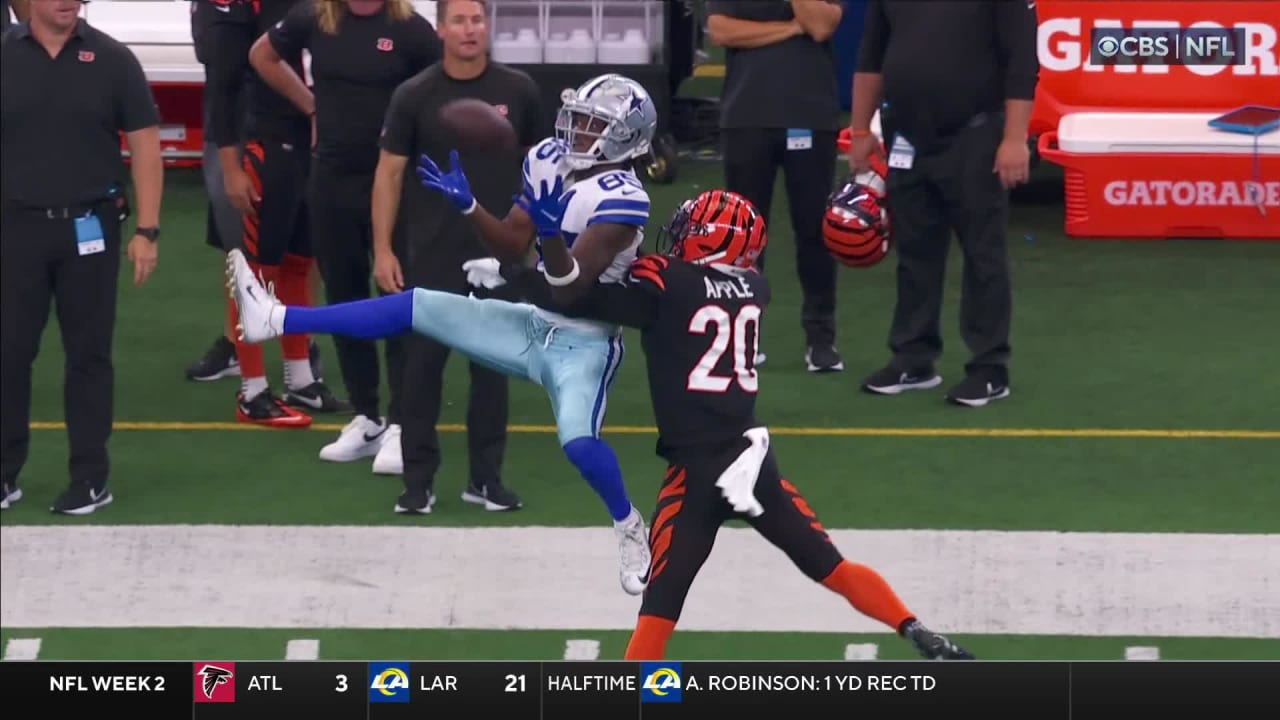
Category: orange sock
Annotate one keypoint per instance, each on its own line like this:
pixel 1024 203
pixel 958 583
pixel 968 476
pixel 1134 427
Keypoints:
pixel 868 593
pixel 292 289
pixel 649 641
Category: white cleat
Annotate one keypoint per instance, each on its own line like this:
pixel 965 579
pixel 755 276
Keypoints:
pixel 389 460
pixel 361 438
pixel 261 314
pixel 633 552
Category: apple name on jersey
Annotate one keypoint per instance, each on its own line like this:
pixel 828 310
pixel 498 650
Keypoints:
pixel 614 196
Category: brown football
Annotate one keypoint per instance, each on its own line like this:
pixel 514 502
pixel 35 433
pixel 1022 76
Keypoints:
pixel 476 124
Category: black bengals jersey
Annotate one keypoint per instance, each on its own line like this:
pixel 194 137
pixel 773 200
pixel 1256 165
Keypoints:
pixel 699 328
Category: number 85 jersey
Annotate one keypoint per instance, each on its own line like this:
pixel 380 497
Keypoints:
pixel 700 342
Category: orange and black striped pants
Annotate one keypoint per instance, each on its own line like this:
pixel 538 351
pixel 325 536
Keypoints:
pixel 689 514
pixel 281 225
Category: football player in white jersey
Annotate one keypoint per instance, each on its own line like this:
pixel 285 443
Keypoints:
pixel 578 185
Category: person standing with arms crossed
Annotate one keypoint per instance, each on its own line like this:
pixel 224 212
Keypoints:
pixel 68 90
pixel 440 239
pixel 361 51
pixel 265 171
pixel 956 133
pixel 780 109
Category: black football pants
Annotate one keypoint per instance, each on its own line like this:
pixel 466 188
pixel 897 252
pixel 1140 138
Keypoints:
pixel 425 359
pixel 690 511
pixel 752 157
pixel 39 266
pixel 953 190
pixel 342 240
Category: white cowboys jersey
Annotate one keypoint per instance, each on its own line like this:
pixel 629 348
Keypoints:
pixel 614 197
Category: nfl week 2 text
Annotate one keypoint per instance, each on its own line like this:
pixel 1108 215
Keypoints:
pixel 106 683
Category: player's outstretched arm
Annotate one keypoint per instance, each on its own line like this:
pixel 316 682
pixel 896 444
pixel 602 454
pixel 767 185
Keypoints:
pixel 509 239
pixel 572 274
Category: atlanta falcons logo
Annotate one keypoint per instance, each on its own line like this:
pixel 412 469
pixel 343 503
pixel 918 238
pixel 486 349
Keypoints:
pixel 213 677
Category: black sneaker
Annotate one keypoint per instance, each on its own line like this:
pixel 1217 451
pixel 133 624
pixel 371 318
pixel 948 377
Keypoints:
pixel 218 361
pixel 494 498
pixel 976 391
pixel 266 409
pixel 415 502
pixel 316 397
pixel 81 500
pixel 10 493
pixel 823 358
pixel 317 367
pixel 931 645
pixel 892 381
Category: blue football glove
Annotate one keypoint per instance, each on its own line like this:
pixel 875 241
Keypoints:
pixel 452 184
pixel 547 208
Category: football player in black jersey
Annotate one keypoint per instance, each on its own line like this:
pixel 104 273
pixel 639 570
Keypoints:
pixel 699 306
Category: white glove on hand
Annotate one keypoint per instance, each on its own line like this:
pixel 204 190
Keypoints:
pixel 484 273
pixel 738 482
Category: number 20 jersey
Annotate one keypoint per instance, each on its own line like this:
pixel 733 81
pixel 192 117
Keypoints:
pixel 700 347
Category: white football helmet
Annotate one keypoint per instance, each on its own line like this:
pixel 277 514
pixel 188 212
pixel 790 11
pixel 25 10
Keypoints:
pixel 615 112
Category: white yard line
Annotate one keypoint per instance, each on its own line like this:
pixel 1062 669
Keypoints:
pixel 861 651
pixel 22 649
pixel 302 649
pixel 1141 652
pixel 1099 584
pixel 581 649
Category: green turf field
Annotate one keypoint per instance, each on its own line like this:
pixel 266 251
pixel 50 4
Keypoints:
pixel 1124 497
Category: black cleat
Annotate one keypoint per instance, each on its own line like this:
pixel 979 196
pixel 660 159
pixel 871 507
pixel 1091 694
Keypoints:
pixel 218 361
pixel 976 391
pixel 931 645
pixel 316 398
pixel 891 381
pixel 81 500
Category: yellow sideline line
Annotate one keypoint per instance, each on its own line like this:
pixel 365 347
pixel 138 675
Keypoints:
pixel 805 431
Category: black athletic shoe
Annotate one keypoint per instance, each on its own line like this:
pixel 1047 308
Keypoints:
pixel 494 498
pixel 316 398
pixel 415 502
pixel 977 390
pixel 81 500
pixel 823 359
pixel 892 381
pixel 218 361
pixel 10 493
pixel 933 646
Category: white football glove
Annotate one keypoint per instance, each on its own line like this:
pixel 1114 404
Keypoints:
pixel 738 482
pixel 484 273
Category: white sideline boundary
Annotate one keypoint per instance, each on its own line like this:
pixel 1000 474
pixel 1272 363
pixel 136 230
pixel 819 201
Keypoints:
pixel 1085 584
pixel 22 649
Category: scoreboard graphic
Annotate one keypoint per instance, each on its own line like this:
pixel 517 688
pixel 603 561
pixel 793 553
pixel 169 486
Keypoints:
pixel 322 690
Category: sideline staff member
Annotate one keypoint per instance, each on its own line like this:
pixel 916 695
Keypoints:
pixel 957 138
pixel 66 90
pixel 441 239
pixel 361 50
pixel 781 108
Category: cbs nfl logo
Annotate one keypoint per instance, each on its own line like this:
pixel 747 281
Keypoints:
pixel 388 682
pixel 661 684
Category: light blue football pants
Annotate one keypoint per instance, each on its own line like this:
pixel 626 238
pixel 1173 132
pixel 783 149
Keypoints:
pixel 577 368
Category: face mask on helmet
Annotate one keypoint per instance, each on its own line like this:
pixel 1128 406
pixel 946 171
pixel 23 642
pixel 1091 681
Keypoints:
pixel 716 227
pixel 609 119
pixel 855 228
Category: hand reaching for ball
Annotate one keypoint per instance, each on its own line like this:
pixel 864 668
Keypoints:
pixel 452 184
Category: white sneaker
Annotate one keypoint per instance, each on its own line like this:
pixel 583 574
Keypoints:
pixel 389 460
pixel 261 314
pixel 633 552
pixel 361 438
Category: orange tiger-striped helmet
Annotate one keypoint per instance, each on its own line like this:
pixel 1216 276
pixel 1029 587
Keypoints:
pixel 717 226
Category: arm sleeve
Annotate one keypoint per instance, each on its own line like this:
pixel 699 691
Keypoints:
pixel 618 209
pixel 634 304
pixel 1016 28
pixel 875 38
pixel 229 44
pixel 292 35
pixel 398 127
pixel 135 106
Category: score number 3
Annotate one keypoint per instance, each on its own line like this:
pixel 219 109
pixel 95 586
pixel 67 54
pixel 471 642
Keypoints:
pixel 729 330
pixel 342 683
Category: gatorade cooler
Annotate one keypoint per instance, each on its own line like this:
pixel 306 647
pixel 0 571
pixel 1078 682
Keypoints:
pixel 1165 175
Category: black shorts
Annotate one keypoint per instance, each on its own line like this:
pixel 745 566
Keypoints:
pixel 690 511
pixel 279 175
